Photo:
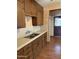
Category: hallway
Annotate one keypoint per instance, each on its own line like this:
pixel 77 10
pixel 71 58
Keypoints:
pixel 52 50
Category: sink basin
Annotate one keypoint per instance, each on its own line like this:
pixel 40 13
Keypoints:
pixel 31 36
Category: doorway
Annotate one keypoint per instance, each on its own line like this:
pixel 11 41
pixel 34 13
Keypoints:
pixel 57 26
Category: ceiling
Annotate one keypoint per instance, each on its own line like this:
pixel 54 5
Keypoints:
pixel 45 3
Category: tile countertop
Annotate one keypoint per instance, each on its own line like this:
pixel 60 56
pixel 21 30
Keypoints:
pixel 21 42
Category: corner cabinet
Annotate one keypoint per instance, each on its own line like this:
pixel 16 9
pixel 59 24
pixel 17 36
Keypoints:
pixel 32 50
pixel 20 14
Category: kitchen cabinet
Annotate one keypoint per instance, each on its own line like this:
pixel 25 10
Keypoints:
pixel 39 44
pixel 28 51
pixel 39 12
pixel 30 8
pixel 32 50
pixel 44 39
pixel 36 47
pixel 20 52
pixel 39 18
pixel 20 15
pixel 21 4
pixel 25 52
pixel 33 8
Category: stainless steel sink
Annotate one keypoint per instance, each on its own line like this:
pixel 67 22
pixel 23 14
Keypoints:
pixel 31 36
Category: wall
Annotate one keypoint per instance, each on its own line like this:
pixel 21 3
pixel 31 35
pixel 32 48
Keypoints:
pixel 28 21
pixel 48 8
pixel 46 15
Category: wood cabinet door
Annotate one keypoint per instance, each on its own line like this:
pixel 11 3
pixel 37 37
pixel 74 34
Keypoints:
pixel 37 46
pixel 25 52
pixel 20 52
pixel 28 51
pixel 35 49
pixel 28 7
pixel 39 14
pixel 45 39
pixel 39 18
pixel 20 16
pixel 22 3
pixel 33 8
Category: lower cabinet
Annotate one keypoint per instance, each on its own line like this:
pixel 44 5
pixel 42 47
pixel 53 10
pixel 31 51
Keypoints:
pixel 45 39
pixel 32 50
pixel 36 47
pixel 25 52
pixel 39 44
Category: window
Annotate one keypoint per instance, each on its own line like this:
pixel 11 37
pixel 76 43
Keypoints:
pixel 57 20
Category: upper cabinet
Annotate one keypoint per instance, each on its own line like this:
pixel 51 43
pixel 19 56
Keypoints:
pixel 39 14
pixel 27 7
pixel 20 14
pixel 30 8
pixel 33 8
pixel 21 4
